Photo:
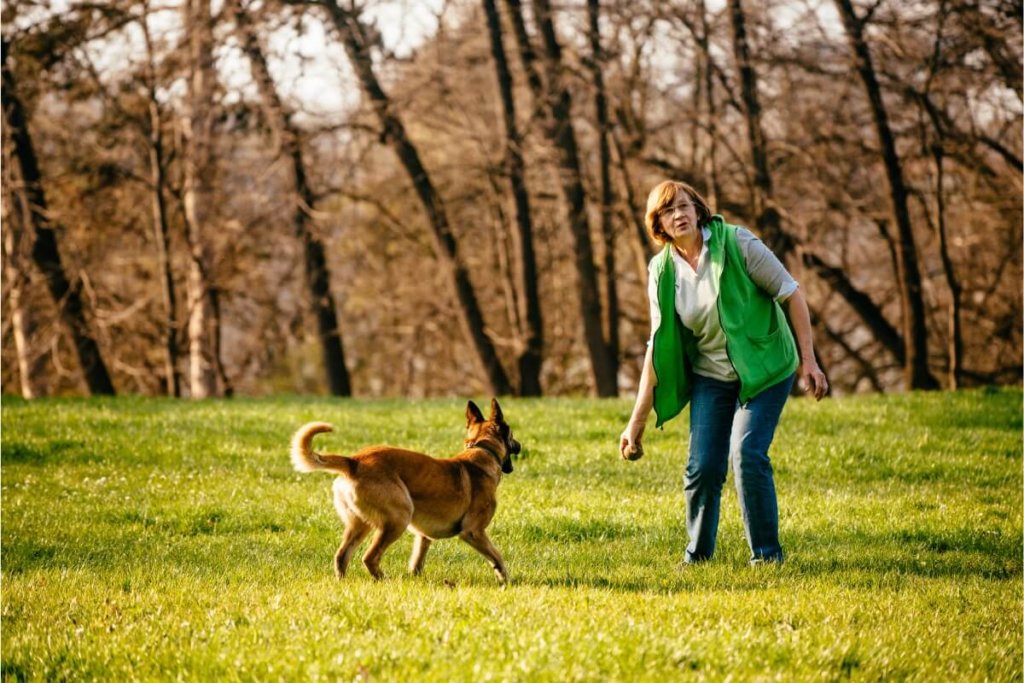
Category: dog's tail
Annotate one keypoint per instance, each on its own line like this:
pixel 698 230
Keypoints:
pixel 305 459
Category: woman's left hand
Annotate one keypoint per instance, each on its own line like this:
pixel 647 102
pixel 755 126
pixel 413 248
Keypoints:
pixel 812 379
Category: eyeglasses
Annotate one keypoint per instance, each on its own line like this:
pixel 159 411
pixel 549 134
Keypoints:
pixel 671 210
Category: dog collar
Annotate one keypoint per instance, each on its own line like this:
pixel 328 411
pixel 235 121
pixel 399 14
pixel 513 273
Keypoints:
pixel 482 446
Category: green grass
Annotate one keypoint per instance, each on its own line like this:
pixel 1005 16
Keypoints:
pixel 153 539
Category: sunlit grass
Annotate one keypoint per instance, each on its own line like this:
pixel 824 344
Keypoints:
pixel 154 539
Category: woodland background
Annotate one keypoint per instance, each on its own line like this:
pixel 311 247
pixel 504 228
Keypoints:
pixel 446 198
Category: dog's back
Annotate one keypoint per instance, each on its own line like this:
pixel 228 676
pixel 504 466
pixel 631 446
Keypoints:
pixel 414 469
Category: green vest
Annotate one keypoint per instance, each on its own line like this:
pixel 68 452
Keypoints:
pixel 757 336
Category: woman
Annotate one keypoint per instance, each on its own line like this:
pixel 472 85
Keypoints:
pixel 720 342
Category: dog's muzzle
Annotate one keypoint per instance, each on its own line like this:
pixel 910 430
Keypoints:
pixel 512 447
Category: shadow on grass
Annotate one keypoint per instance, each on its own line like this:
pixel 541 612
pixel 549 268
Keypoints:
pixel 732 576
pixel 942 553
pixel 576 531
pixel 63 451
pixel 854 559
pixel 13 671
pixel 598 554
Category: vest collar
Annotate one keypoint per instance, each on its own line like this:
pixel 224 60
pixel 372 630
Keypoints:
pixel 717 245
pixel 714 241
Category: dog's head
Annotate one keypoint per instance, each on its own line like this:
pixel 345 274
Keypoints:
pixel 492 432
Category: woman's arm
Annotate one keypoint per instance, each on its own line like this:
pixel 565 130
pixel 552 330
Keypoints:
pixel 811 377
pixel 629 442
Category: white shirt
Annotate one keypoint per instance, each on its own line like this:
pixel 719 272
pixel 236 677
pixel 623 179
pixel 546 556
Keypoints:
pixel 697 298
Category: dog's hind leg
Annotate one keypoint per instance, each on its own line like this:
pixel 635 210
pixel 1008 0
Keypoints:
pixel 419 554
pixel 479 541
pixel 385 536
pixel 355 531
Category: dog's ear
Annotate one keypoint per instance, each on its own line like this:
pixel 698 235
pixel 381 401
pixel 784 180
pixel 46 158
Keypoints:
pixel 473 414
pixel 496 415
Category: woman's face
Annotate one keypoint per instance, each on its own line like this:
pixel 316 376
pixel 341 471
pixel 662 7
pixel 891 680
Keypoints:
pixel 679 217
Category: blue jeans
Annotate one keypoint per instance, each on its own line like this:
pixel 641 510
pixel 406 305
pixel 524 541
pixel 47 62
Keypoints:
pixel 723 431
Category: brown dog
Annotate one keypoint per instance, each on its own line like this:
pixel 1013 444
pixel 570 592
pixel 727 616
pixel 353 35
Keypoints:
pixel 388 489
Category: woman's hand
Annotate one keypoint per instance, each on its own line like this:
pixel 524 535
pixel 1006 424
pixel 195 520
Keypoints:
pixel 809 374
pixel 629 443
pixel 812 379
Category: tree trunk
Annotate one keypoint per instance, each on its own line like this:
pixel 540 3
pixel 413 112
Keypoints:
pixel 157 173
pixel 529 303
pixel 289 143
pixel 711 109
pixel 557 106
pixel 356 42
pixel 611 310
pixel 45 253
pixel 635 214
pixel 22 317
pixel 198 197
pixel 215 328
pixel 527 55
pixel 161 231
pixel 866 367
pixel 915 332
pixel 861 303
pixel 766 215
pixel 955 344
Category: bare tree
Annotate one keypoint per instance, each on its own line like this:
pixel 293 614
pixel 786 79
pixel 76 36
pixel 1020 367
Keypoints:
pixel 784 125
pixel 66 292
pixel 357 45
pixel 555 98
pixel 766 215
pixel 597 66
pixel 203 323
pixel 161 222
pixel 140 109
pixel 23 318
pixel 627 137
pixel 955 346
pixel 289 143
pixel 915 331
pixel 710 106
pixel 861 303
pixel 530 357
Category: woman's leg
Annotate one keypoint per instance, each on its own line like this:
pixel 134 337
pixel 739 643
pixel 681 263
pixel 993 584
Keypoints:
pixel 753 429
pixel 712 405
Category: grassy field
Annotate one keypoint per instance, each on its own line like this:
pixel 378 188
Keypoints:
pixel 153 539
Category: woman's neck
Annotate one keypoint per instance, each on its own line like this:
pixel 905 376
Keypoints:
pixel 689 247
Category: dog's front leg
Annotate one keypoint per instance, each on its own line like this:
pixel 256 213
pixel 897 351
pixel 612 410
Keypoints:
pixel 479 541
pixel 419 554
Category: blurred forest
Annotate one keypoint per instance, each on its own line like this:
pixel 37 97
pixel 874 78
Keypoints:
pixel 386 198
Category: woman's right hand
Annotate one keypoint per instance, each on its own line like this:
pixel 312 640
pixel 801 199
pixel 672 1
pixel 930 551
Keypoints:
pixel 629 443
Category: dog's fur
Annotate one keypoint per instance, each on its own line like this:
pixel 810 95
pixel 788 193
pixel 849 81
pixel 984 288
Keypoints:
pixel 387 490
